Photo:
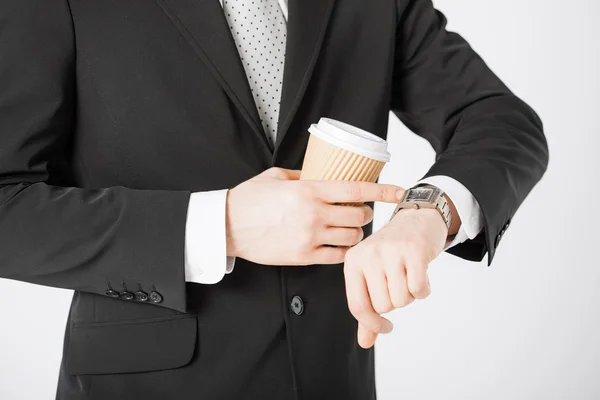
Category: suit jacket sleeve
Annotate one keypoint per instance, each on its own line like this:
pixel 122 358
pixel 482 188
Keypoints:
pixel 52 234
pixel 483 135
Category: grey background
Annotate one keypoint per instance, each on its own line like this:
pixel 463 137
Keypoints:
pixel 526 328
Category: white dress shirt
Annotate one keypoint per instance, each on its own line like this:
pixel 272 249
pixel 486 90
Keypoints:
pixel 206 260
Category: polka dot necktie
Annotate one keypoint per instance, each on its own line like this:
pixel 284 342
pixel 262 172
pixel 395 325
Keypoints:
pixel 259 30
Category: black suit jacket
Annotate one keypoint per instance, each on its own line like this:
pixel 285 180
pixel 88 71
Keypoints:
pixel 113 111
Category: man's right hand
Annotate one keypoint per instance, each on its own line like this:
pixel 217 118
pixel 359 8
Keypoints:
pixel 277 219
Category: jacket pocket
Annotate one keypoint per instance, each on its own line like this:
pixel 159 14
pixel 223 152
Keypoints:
pixel 141 345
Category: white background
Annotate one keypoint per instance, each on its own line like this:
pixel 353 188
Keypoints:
pixel 526 328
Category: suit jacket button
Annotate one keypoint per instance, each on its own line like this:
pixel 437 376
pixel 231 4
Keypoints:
pixel 141 296
pixel 155 297
pixel 112 293
pixel 127 296
pixel 297 305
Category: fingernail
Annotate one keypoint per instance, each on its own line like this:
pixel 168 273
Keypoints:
pixel 400 194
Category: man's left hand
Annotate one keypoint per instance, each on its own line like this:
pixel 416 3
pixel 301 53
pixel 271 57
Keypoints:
pixel 388 270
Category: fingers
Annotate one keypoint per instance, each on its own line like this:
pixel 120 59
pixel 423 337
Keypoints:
pixel 359 303
pixel 329 255
pixel 397 285
pixel 281 174
pixel 418 281
pixel 377 286
pixel 351 217
pixel 357 192
pixel 366 338
pixel 346 237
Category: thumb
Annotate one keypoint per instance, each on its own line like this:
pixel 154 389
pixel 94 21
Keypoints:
pixel 281 174
pixel 366 338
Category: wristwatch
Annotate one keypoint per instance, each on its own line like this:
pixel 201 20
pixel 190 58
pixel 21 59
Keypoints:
pixel 426 196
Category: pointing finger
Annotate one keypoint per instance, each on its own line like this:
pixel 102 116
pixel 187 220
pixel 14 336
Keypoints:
pixel 357 192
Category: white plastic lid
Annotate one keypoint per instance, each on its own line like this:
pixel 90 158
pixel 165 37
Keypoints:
pixel 351 138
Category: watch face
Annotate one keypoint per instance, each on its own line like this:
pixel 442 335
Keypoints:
pixel 419 194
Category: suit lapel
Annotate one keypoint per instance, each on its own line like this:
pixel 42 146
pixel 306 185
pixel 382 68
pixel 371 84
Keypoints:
pixel 307 25
pixel 204 25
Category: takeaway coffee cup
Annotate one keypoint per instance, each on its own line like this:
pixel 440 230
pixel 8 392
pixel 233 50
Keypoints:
pixel 342 152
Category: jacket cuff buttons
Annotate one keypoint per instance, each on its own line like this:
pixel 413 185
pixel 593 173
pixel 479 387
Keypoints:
pixel 126 296
pixel 501 233
pixel 155 297
pixel 140 296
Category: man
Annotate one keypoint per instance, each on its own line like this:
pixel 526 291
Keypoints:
pixel 124 123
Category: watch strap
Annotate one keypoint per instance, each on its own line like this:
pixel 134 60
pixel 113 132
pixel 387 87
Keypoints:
pixel 438 200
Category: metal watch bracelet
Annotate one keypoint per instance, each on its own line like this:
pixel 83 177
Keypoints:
pixel 437 199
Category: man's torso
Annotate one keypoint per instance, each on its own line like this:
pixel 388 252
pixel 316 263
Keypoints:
pixel 162 104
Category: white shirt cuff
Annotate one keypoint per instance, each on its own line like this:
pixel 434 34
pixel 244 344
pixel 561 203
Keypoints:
pixel 466 206
pixel 206 260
